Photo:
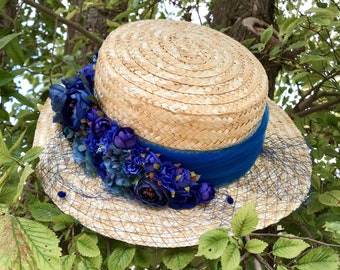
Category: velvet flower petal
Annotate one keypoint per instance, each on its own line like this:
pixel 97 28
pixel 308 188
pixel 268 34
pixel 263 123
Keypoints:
pixel 185 199
pixel 150 193
pixel 124 138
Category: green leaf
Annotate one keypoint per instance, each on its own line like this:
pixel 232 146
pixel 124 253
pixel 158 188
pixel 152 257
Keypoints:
pixel 5 77
pixel 68 261
pixel 86 246
pixel 121 257
pixel 18 142
pixel 90 263
pixel 141 258
pixel 7 39
pixel 44 211
pixel 255 246
pixel 280 267
pixel 32 245
pixel 5 155
pixel 319 258
pixel 24 100
pixel 322 12
pixel 23 177
pixel 266 35
pixel 231 258
pixel 289 248
pixel 178 258
pixel 3 209
pixel 31 154
pixel 4 115
pixel 5 175
pixel 330 198
pixel 312 58
pixel 244 220
pixel 213 243
pixel 15 52
pixel 332 227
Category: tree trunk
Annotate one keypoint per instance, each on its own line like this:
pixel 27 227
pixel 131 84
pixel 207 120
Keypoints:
pixel 93 19
pixel 245 19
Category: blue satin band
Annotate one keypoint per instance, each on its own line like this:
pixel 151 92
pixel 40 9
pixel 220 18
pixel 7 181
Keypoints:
pixel 218 167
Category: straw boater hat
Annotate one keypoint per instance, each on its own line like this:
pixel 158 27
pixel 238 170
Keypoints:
pixel 194 96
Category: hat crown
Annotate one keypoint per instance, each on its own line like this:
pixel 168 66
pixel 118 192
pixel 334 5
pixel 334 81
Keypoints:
pixel 180 85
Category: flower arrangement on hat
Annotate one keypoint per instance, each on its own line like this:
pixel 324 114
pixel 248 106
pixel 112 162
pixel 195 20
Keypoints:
pixel 112 152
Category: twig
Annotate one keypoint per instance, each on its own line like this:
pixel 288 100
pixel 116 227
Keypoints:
pixel 296 237
pixel 69 23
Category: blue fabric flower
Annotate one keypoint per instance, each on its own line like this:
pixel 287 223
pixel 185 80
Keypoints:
pixel 185 199
pixel 58 96
pixel 207 191
pixel 183 178
pixel 167 176
pixel 124 138
pixel 150 193
pixel 99 126
pixel 151 162
pixel 133 163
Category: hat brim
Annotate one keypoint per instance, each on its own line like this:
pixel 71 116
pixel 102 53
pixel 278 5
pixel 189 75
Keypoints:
pixel 277 183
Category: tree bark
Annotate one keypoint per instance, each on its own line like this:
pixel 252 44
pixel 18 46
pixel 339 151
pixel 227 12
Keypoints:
pixel 93 19
pixel 245 19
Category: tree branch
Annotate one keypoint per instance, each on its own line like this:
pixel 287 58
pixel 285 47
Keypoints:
pixel 296 237
pixel 69 23
pixel 319 107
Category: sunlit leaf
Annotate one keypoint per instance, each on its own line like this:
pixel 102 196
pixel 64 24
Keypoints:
pixel 231 258
pixel 289 248
pixel 26 244
pixel 121 257
pixel 213 243
pixel 86 246
pixel 319 258
pixel 244 220
pixel 178 258
pixel 255 246
pixel 330 198
pixel 7 39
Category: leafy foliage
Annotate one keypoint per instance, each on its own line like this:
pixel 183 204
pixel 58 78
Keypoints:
pixel 35 234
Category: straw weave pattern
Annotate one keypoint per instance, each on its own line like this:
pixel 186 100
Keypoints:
pixel 180 87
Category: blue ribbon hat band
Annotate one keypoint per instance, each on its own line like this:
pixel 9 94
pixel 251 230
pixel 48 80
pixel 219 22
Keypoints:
pixel 217 167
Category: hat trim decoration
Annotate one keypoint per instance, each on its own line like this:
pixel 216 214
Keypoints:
pixel 131 166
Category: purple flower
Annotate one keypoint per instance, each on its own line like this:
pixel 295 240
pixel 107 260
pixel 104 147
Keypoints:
pixel 91 143
pixel 105 141
pixel 207 191
pixel 168 175
pixel 75 108
pixel 150 193
pixel 152 162
pixel 185 199
pixel 88 73
pixel 183 178
pixel 124 138
pixel 133 162
pixel 99 126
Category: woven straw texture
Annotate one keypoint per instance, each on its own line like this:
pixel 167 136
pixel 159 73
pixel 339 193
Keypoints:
pixel 201 88
pixel 277 183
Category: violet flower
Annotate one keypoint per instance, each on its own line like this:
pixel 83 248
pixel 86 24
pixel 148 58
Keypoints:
pixel 124 138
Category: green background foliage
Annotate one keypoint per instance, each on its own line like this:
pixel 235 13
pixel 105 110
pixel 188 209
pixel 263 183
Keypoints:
pixel 35 234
